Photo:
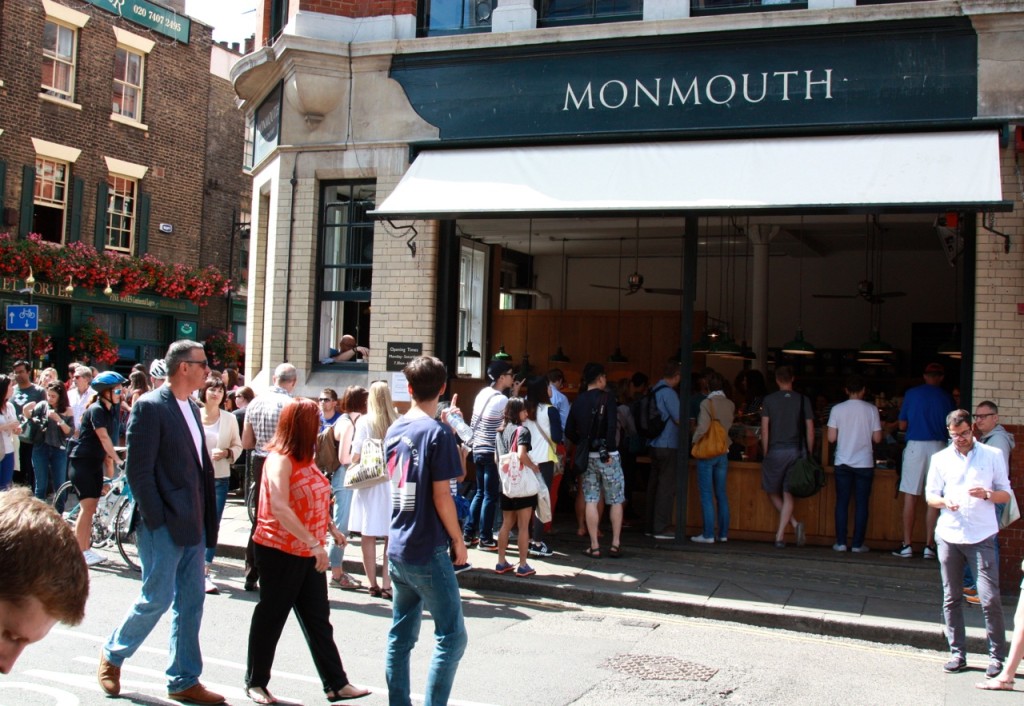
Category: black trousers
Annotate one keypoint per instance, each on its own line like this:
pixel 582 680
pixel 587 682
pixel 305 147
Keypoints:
pixel 27 476
pixel 252 572
pixel 292 582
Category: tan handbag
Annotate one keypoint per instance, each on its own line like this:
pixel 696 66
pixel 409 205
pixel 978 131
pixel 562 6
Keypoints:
pixel 715 441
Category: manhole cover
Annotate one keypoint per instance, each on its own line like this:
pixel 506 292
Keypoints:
pixel 651 667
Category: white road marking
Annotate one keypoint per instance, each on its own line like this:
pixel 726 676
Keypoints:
pixel 60 697
pixel 220 662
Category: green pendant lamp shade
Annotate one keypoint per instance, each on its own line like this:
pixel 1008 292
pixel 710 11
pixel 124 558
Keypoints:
pixel 468 351
pixel 798 346
pixel 501 354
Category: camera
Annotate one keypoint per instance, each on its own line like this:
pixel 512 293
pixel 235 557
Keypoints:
pixel 602 451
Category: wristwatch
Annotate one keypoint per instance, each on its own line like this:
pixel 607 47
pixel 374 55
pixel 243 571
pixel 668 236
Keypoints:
pixel 988 494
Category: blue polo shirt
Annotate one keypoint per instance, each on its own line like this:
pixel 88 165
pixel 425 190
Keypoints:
pixel 924 410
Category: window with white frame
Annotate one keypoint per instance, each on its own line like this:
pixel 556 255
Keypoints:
pixel 50 199
pixel 128 73
pixel 121 212
pixel 472 285
pixel 59 52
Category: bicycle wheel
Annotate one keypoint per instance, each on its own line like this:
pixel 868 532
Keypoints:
pixel 65 501
pixel 125 526
pixel 250 503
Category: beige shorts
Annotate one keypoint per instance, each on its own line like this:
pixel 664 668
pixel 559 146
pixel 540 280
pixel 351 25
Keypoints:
pixel 916 458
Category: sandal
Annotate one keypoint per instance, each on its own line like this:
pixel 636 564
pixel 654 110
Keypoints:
pixel 614 551
pixel 592 553
pixel 385 593
pixel 259 695
pixel 346 582
pixel 347 693
pixel 995 684
pixel 375 591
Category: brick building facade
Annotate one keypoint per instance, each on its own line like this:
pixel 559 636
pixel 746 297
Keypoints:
pixel 363 94
pixel 116 133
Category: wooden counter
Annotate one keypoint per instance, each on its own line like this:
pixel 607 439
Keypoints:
pixel 753 517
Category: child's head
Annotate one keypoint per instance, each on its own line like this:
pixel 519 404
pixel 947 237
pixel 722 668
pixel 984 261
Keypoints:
pixel 514 411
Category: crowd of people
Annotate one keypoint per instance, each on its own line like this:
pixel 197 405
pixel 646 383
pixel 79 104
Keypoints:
pixel 427 514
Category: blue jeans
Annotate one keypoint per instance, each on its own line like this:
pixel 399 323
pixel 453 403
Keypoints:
pixel 6 471
pixel 855 481
pixel 51 468
pixel 172 577
pixel 220 489
pixel 485 502
pixel 431 586
pixel 711 483
pixel 342 508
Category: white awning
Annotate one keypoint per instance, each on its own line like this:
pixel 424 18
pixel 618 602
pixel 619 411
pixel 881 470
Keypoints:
pixel 929 170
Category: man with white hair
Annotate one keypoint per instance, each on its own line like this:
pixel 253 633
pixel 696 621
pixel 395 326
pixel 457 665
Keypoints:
pixel 78 393
pixel 261 419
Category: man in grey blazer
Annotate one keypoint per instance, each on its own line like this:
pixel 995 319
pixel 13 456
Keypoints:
pixel 171 476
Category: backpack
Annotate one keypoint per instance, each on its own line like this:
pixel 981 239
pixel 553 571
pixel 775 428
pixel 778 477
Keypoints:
pixel 649 422
pixel 326 456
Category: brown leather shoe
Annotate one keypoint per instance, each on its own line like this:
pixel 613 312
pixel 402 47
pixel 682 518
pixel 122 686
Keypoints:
pixel 109 676
pixel 197 694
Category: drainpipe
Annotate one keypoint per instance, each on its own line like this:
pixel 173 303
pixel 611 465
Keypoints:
pixel 291 244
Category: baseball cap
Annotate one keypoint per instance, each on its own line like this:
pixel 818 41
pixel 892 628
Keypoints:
pixel 497 368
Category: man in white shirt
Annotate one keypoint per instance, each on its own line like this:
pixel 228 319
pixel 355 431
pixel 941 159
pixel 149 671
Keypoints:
pixel 965 481
pixel 78 394
pixel 853 426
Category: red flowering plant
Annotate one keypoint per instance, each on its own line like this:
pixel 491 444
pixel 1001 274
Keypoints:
pixel 223 351
pixel 79 263
pixel 90 342
pixel 14 345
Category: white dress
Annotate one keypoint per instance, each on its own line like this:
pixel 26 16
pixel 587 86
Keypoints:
pixel 371 507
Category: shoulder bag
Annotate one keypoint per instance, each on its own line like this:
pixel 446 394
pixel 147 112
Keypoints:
pixel 1010 513
pixel 581 457
pixel 715 441
pixel 516 481
pixel 371 469
pixel 805 477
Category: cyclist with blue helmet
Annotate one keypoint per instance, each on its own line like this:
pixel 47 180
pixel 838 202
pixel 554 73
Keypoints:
pixel 93 457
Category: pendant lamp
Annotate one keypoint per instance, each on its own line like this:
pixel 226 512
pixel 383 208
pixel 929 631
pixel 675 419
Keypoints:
pixel 468 351
pixel 617 356
pixel 559 356
pixel 799 346
pixel 502 354
pixel 875 346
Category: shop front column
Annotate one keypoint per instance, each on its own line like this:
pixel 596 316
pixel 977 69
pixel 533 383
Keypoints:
pixel 761 238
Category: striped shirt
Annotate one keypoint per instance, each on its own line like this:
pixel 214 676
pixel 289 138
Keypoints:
pixel 488 410
pixel 263 414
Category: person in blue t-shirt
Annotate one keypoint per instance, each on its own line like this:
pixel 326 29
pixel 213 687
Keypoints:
pixel 422 458
pixel 923 418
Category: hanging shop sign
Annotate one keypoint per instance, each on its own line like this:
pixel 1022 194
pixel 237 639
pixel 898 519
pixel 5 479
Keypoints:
pixel 839 76
pixel 186 330
pixel 146 14
pixel 267 133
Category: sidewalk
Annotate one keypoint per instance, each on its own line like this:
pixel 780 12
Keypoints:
pixel 873 596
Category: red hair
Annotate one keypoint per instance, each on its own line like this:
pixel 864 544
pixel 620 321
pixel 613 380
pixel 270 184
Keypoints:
pixel 296 431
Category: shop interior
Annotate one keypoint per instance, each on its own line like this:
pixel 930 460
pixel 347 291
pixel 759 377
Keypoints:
pixel 877 294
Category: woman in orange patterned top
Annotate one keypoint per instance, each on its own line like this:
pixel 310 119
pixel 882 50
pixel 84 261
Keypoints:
pixel 294 520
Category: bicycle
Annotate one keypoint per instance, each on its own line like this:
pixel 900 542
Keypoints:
pixel 251 491
pixel 116 518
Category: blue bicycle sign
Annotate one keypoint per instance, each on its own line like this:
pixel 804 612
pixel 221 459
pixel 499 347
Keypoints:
pixel 22 317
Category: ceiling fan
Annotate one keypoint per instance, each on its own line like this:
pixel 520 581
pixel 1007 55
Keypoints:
pixel 873 251
pixel 865 291
pixel 635 282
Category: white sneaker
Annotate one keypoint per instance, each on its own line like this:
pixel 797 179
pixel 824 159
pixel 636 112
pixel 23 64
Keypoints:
pixel 92 558
pixel 930 553
pixel 862 549
pixel 211 587
pixel 839 547
pixel 701 539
